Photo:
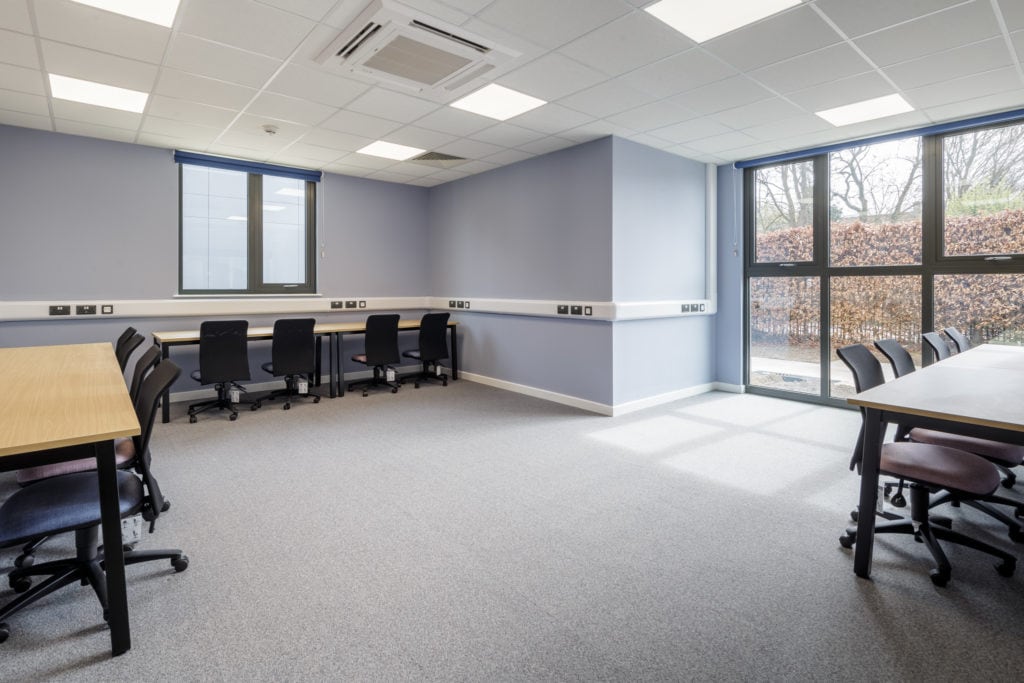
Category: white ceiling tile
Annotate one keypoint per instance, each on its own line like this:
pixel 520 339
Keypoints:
pixel 415 170
pixel 345 170
pixel 1013 14
pixel 469 6
pixel 694 129
pixel 316 85
pixel 14 16
pixel 470 149
pixel 162 141
pixel 84 26
pixel 92 130
pixel 842 91
pixel 90 65
pixel 678 73
pixel 764 111
pixel 413 136
pixel 759 43
pixel 505 134
pixel 355 123
pixel 311 9
pixel 605 99
pixel 965 88
pixel 653 115
pixel 392 105
pixel 477 167
pixel 87 113
pixel 23 120
pixel 364 161
pixel 257 142
pixel 239 152
pixel 21 79
pixel 332 139
pixel 960 25
pixel 448 174
pixel 788 128
pixel 23 102
pixel 1010 99
pixel 245 24
pixel 719 143
pixel 390 176
pixel 290 109
pixel 545 145
pixel 189 112
pixel 951 64
pixel 186 86
pixel 197 136
pixel 906 121
pixel 813 68
pixel 594 130
pixel 426 182
pixel 18 49
pixel 551 118
pixel 454 121
pixel 551 77
pixel 252 125
pixel 722 95
pixel 508 156
pixel 650 141
pixel 202 57
pixel 628 43
pixel 1018 43
pixel 864 16
pixel 551 24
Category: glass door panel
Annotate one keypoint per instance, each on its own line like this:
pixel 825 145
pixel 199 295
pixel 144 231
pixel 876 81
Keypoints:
pixel 785 333
pixel 981 305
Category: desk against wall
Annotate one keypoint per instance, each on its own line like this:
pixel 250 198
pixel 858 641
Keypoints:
pixel 335 333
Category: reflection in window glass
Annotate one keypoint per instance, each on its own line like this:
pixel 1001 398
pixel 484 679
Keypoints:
pixel 785 333
pixel 875 204
pixel 983 192
pixel 982 306
pixel 784 213
pixel 866 308
pixel 284 230
pixel 214 232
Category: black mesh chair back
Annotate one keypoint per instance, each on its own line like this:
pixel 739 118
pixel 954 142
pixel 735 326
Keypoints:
pixel 293 351
pixel 434 337
pixel 937 344
pixel 125 336
pixel 867 374
pixel 382 339
pixel 899 357
pixel 153 387
pixel 959 339
pixel 146 362
pixel 124 350
pixel 223 351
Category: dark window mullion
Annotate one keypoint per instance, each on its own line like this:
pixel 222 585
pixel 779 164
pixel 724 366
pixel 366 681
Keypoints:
pixel 255 268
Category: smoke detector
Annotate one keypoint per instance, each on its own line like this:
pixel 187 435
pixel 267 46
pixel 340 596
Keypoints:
pixel 269 129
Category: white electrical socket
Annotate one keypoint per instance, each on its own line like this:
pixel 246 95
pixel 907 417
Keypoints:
pixel 303 386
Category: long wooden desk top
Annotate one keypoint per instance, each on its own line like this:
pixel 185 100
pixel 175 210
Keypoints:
pixel 56 396
pixel 192 336
pixel 982 386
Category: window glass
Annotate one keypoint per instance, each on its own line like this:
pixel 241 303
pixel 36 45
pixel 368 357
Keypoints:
pixel 784 213
pixel 875 204
pixel 982 305
pixel 785 333
pixel 284 230
pixel 214 232
pixel 983 192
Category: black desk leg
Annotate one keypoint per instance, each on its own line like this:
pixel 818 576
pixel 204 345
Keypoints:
pixel 455 352
pixel 113 551
pixel 318 372
pixel 330 365
pixel 339 342
pixel 873 435
pixel 165 400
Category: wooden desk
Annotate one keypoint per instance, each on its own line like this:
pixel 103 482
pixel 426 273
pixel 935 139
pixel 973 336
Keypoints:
pixel 334 331
pixel 978 393
pixel 56 396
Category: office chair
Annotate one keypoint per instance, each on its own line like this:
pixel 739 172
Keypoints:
pixel 70 502
pixel 128 333
pixel 293 355
pixel 960 339
pixel 223 361
pixel 433 347
pixel 123 350
pixel 1002 455
pixel 380 352
pixel 928 468
pixel 938 345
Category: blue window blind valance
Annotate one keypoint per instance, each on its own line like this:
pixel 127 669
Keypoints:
pixel 936 129
pixel 245 166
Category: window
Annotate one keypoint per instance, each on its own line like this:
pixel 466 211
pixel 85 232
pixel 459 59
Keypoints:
pixel 245 229
pixel 879 241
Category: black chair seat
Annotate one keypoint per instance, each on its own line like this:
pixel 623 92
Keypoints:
pixel 79 496
pixel 939 466
pixel 1006 454
pixel 414 353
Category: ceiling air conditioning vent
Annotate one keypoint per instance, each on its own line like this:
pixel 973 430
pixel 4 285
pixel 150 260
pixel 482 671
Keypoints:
pixel 438 159
pixel 391 43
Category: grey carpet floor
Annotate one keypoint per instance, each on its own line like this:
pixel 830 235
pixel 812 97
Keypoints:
pixel 467 533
